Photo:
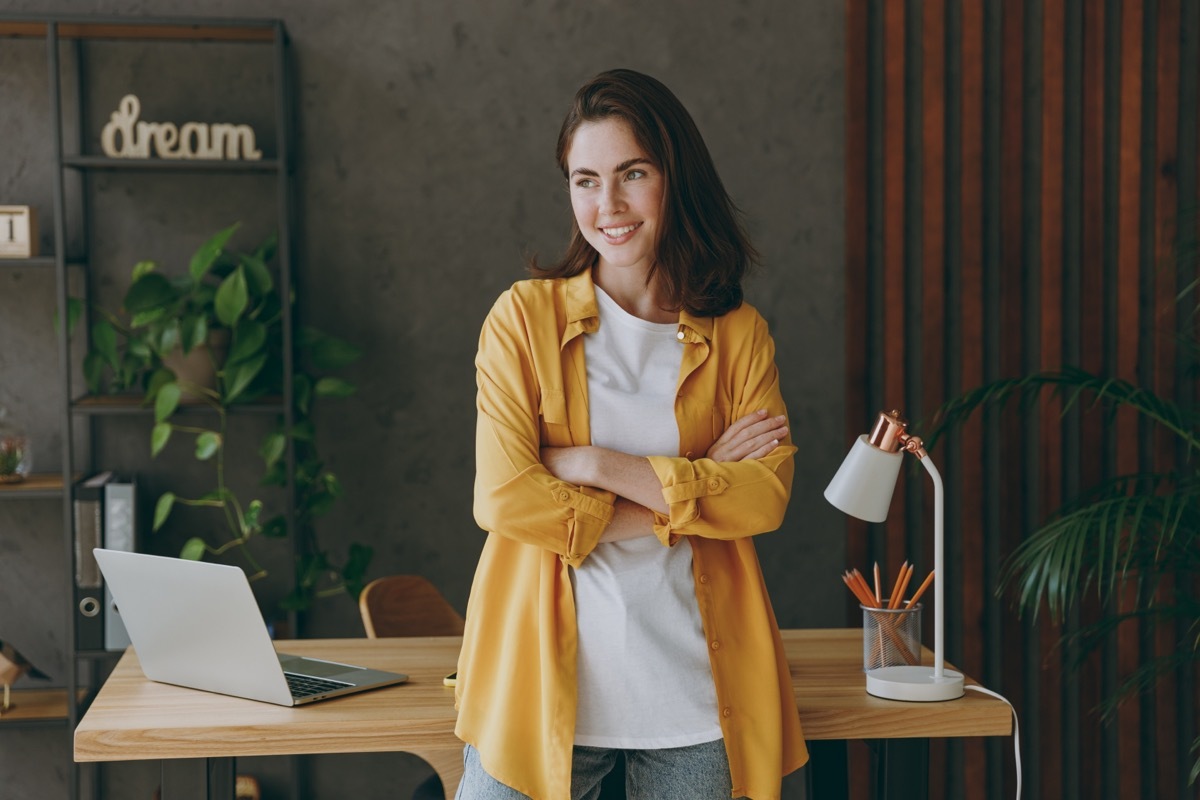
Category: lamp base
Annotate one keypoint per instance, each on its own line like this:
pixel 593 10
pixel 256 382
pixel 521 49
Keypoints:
pixel 915 684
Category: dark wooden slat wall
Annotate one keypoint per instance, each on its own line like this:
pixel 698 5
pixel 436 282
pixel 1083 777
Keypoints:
pixel 1164 288
pixel 1018 172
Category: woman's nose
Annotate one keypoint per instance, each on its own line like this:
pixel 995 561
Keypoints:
pixel 611 200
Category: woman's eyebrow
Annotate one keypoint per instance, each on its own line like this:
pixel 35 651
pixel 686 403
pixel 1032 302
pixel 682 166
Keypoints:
pixel 624 165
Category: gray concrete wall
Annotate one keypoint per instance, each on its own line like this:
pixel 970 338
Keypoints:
pixel 425 175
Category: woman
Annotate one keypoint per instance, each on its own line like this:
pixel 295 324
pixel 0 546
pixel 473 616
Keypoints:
pixel 631 440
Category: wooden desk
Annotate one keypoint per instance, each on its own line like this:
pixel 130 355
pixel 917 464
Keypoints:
pixel 198 734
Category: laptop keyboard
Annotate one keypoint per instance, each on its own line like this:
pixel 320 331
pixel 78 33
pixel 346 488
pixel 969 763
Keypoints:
pixel 307 686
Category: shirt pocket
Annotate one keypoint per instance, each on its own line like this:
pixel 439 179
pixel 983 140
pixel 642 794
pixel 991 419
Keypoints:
pixel 720 420
pixel 552 416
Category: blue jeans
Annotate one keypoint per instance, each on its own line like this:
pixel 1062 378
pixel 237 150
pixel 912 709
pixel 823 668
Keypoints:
pixel 699 772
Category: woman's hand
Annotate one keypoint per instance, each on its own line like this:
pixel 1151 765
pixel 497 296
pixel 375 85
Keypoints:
pixel 752 436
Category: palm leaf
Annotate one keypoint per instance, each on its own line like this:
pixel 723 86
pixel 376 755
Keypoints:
pixel 1073 386
pixel 1103 538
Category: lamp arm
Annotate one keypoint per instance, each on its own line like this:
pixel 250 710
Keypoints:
pixel 939 662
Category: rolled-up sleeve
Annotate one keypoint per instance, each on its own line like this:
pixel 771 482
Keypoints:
pixel 723 500
pixel 731 500
pixel 515 495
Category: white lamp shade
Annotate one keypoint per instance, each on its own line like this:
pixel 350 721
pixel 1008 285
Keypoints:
pixel 864 483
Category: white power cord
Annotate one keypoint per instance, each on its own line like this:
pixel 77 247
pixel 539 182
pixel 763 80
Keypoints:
pixel 1016 729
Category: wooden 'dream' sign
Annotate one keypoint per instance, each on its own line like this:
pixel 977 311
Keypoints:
pixel 125 136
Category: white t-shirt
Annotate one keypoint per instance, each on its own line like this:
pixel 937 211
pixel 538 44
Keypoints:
pixel 644 676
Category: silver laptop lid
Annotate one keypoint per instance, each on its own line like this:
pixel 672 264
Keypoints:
pixel 195 624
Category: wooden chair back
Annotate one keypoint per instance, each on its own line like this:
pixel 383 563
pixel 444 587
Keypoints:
pixel 407 605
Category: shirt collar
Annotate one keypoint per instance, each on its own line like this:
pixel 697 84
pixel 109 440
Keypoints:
pixel 700 328
pixel 583 314
pixel 581 298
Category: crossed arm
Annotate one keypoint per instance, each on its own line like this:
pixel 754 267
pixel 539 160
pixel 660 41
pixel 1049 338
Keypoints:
pixel 632 479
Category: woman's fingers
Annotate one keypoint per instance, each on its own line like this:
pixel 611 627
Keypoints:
pixel 762 451
pixel 753 418
pixel 759 444
pixel 752 436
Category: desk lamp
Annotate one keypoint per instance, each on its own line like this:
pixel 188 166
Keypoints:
pixel 863 488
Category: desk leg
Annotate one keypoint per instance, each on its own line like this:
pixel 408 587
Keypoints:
pixel 447 762
pixel 828 774
pixel 900 768
pixel 198 779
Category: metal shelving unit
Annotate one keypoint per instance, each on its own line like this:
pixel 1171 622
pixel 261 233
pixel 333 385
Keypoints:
pixel 64 707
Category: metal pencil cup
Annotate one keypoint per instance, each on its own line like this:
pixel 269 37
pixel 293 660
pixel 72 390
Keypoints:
pixel 891 637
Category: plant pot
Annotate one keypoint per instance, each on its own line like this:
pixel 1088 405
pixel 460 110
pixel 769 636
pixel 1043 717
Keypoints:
pixel 198 368
pixel 14 451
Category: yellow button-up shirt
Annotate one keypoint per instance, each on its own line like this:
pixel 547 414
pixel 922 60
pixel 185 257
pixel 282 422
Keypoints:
pixel 516 690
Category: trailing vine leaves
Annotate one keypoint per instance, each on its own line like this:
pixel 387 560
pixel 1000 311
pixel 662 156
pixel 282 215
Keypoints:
pixel 227 296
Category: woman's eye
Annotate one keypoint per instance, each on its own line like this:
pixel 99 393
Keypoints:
pixel 585 183
pixel 634 174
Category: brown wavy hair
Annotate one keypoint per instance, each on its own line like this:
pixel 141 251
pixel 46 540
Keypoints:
pixel 702 252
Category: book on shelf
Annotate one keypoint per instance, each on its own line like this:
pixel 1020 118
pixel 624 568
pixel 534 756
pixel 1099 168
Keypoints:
pixel 120 533
pixel 88 504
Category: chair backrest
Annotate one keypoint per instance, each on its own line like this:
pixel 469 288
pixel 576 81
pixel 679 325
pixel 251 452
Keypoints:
pixel 407 605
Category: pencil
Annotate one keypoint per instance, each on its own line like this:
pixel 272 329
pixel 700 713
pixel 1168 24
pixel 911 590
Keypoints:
pixel 878 597
pixel 862 583
pixel 921 589
pixel 894 600
pixel 904 585
pixel 852 585
pixel 860 590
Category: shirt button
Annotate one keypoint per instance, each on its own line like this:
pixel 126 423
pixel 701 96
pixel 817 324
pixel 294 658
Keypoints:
pixel 704 579
pixel 679 336
pixel 688 454
pixel 716 645
pixel 726 712
pixel 564 495
pixel 714 484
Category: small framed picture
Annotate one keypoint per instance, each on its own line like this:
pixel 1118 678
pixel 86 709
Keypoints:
pixel 18 232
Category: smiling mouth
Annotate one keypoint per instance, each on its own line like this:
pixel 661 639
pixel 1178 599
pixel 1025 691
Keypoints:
pixel 617 233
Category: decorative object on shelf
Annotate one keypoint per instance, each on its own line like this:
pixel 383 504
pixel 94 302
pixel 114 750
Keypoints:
pixel 15 460
pixel 234 295
pixel 125 136
pixel 18 232
pixel 197 370
pixel 12 666
pixel 862 487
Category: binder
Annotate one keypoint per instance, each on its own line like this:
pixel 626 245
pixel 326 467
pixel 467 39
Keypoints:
pixel 120 533
pixel 89 584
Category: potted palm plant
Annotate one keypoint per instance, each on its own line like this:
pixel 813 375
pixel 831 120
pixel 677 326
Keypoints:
pixel 1130 532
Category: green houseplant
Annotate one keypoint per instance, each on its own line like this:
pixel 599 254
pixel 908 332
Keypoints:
pixel 1125 537
pixel 231 299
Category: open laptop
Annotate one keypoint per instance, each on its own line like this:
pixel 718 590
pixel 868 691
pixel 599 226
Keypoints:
pixel 196 624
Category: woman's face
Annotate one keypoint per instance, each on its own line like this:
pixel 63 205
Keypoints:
pixel 616 194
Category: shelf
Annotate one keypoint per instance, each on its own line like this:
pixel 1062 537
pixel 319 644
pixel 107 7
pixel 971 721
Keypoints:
pixel 98 655
pixel 38 261
pixel 59 34
pixel 266 165
pixel 17 26
pixel 132 404
pixel 37 707
pixel 43 484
